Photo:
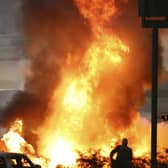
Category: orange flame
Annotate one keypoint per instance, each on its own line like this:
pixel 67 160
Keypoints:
pixel 78 120
pixel 14 140
pixel 75 100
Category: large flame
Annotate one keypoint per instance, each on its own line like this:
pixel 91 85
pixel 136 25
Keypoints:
pixel 14 140
pixel 83 111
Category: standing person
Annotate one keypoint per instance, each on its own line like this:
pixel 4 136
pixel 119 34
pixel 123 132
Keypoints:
pixel 124 155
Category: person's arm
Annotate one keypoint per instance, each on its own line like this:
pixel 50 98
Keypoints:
pixel 113 152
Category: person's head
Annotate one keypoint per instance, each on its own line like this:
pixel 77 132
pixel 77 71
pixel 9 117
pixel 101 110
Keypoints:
pixel 124 141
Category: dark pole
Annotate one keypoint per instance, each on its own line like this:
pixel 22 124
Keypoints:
pixel 154 97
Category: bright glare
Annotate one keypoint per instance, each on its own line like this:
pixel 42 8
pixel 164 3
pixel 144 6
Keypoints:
pixel 62 153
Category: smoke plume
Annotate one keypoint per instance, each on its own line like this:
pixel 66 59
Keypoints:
pixel 53 30
pixel 58 30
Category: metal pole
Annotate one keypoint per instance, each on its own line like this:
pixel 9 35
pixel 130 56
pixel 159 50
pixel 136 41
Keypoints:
pixel 154 97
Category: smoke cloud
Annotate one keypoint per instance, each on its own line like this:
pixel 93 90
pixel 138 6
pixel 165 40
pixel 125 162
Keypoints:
pixel 55 30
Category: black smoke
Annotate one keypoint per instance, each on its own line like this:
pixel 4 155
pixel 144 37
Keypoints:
pixel 51 29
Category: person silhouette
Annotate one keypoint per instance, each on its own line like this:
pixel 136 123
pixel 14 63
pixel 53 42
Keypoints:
pixel 124 155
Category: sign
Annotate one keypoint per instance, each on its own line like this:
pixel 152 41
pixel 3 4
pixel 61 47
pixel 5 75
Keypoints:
pixel 153 8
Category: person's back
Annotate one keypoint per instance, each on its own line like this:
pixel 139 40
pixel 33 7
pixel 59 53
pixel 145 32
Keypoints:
pixel 124 155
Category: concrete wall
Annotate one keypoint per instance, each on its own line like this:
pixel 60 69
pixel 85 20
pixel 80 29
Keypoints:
pixel 11 45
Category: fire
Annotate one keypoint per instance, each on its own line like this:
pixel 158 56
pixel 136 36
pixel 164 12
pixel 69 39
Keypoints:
pixel 75 98
pixel 108 50
pixel 16 143
pixel 96 8
pixel 90 99
pixel 60 148
pixel 75 101
pixel 14 140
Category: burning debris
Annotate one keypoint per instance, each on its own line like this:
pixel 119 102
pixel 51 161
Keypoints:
pixel 84 84
pixel 13 141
